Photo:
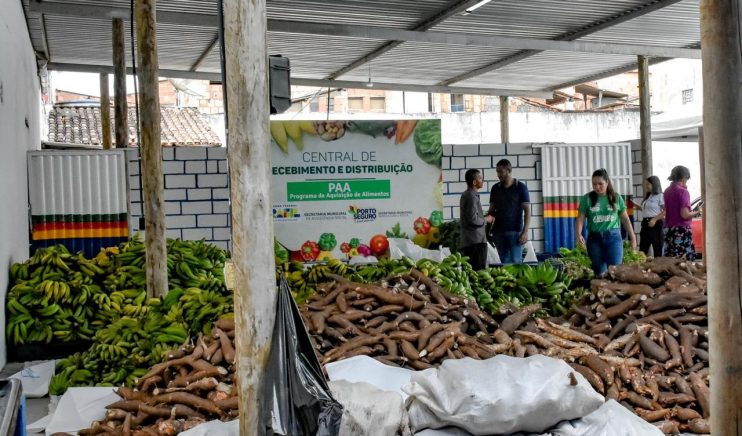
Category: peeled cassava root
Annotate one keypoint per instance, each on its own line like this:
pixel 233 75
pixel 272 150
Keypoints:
pixel 195 384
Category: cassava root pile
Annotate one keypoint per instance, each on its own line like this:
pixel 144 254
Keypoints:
pixel 407 321
pixel 194 384
pixel 641 339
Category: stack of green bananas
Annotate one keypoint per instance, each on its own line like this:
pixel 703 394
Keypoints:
pixel 125 349
pixel 303 280
pixel 51 297
pixel 195 264
pixel 457 275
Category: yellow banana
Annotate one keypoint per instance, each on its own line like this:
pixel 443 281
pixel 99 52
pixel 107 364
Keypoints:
pixel 308 127
pixel 293 129
pixel 278 132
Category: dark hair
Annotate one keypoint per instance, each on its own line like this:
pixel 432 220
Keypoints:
pixel 471 176
pixel 656 186
pixel 603 174
pixel 505 163
pixel 679 173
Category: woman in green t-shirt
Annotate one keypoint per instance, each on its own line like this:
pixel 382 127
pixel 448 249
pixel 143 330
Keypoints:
pixel 605 212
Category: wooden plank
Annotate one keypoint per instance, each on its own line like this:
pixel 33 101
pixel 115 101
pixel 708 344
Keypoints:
pixel 105 111
pixel 504 119
pixel 153 193
pixel 722 142
pixel 248 154
pixel 119 85
pixel 645 115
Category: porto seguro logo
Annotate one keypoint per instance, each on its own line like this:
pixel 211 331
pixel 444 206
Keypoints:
pixel 362 215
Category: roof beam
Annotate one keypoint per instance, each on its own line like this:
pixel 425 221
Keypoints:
pixel 320 83
pixel 455 8
pixel 205 53
pixel 324 83
pixel 467 39
pixel 596 26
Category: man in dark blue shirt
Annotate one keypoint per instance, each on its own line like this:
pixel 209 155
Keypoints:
pixel 510 207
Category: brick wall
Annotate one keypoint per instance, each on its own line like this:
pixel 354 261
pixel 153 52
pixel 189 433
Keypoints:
pixel 526 162
pixel 196 193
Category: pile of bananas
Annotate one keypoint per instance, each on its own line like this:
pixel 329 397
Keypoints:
pixel 304 280
pixel 58 296
pixel 52 297
pixel 121 352
pixel 494 289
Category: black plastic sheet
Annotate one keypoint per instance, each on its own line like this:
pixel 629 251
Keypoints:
pixel 297 400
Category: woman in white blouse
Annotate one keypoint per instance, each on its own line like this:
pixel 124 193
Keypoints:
pixel 653 212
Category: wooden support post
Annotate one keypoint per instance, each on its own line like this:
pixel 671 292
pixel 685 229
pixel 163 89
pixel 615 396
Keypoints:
pixel 645 115
pixel 249 157
pixel 119 84
pixel 702 159
pixel 504 119
pixel 722 139
pixel 105 111
pixel 150 148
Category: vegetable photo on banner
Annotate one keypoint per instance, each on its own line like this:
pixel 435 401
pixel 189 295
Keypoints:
pixel 428 145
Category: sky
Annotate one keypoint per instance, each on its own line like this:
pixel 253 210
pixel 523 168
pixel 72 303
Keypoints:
pixel 84 83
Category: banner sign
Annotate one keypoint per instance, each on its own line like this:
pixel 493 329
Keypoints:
pixel 337 184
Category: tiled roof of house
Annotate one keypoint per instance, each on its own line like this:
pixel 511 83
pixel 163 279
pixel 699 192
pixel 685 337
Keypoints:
pixel 82 125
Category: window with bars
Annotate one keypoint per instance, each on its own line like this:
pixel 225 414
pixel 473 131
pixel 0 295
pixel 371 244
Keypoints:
pixel 457 102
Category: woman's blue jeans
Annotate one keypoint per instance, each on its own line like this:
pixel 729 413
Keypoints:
pixel 604 249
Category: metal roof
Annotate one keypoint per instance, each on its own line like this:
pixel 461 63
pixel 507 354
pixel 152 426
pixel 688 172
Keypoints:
pixel 506 46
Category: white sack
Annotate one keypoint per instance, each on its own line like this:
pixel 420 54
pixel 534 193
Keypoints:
pixel 611 419
pixel 500 395
pixel 400 247
pixel 35 379
pixel 369 370
pixel 213 428
pixel 79 407
pixel 368 411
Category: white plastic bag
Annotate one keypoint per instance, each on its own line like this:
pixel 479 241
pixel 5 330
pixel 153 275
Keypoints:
pixel 35 379
pixel 530 253
pixel 493 257
pixel 611 419
pixel 368 411
pixel 501 395
pixel 400 247
pixel 369 370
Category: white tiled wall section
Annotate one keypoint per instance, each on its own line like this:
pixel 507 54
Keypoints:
pixel 196 193
pixel 526 162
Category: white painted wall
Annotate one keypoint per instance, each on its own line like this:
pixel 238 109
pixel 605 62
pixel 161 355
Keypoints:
pixel 20 131
pixel 570 127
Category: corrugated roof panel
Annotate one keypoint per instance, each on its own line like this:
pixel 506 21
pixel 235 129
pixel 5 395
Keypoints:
pixel 425 63
pixel 536 18
pixel 674 26
pixel 547 69
pixel 390 13
pixel 192 6
pixel 88 41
